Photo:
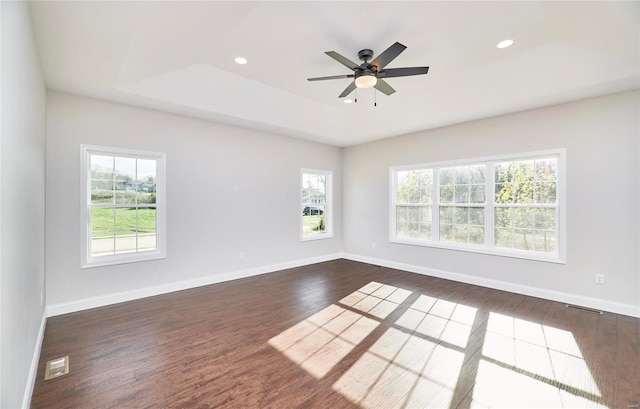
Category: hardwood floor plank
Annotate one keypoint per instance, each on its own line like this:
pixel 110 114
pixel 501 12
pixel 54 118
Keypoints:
pixel 604 360
pixel 629 353
pixel 340 334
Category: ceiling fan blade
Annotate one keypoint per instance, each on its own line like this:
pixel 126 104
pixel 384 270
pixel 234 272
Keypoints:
pixel 333 77
pixel 387 56
pixel 384 87
pixel 402 72
pixel 342 60
pixel 348 90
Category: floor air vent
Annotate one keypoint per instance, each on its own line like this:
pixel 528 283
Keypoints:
pixel 577 307
pixel 56 367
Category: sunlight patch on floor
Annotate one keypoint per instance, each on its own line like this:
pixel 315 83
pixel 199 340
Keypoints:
pixel 376 299
pixel 402 369
pixel 416 359
pixel 318 343
pixel 414 363
pixel 500 387
pixel 439 319
pixel 321 341
pixel 532 364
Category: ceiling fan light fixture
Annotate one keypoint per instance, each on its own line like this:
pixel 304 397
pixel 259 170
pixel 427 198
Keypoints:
pixel 366 81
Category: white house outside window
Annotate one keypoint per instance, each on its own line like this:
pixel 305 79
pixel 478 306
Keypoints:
pixel 508 205
pixel 123 211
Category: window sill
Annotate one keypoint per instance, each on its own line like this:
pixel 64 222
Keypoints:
pixel 521 254
pixel 318 237
pixel 103 261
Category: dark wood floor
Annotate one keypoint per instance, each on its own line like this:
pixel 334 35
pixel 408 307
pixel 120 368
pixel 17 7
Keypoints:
pixel 341 334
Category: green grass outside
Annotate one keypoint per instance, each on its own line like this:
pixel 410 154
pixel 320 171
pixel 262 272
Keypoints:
pixel 310 224
pixel 102 221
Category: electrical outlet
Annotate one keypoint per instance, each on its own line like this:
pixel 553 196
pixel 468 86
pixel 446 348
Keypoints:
pixel 373 245
pixel 599 278
pixel 236 189
pixel 242 255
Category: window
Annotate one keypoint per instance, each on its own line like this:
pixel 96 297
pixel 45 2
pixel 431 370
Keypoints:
pixel 123 214
pixel 508 205
pixel 525 204
pixel 462 198
pixel 316 204
pixel 413 211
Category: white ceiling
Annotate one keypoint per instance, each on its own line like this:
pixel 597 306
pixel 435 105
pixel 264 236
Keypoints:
pixel 178 57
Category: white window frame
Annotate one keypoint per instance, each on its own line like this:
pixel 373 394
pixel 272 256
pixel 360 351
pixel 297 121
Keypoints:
pixel 328 212
pixel 559 256
pixel 89 261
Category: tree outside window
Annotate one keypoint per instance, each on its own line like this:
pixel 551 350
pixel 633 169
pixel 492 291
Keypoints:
pixel 509 205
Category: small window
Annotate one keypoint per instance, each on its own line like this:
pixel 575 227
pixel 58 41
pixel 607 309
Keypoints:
pixel 316 204
pixel 123 213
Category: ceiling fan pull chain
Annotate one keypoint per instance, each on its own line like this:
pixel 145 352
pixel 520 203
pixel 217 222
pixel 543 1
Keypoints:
pixel 375 98
pixel 356 99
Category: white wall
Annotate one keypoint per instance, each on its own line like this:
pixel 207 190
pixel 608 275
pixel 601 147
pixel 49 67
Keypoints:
pixel 22 184
pixel 208 225
pixel 601 137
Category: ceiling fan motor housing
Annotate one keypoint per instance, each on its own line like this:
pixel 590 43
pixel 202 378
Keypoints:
pixel 365 55
pixel 365 71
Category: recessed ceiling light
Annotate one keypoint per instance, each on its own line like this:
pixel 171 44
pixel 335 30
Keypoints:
pixel 240 60
pixel 347 101
pixel 504 43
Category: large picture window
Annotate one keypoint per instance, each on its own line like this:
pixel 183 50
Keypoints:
pixel 122 206
pixel 508 205
pixel 316 193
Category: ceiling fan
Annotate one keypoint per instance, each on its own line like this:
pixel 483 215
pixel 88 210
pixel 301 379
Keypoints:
pixel 371 74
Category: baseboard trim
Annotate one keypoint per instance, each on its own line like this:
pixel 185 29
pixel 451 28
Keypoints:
pixel 595 303
pixel 88 303
pixel 33 370
pixel 94 302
